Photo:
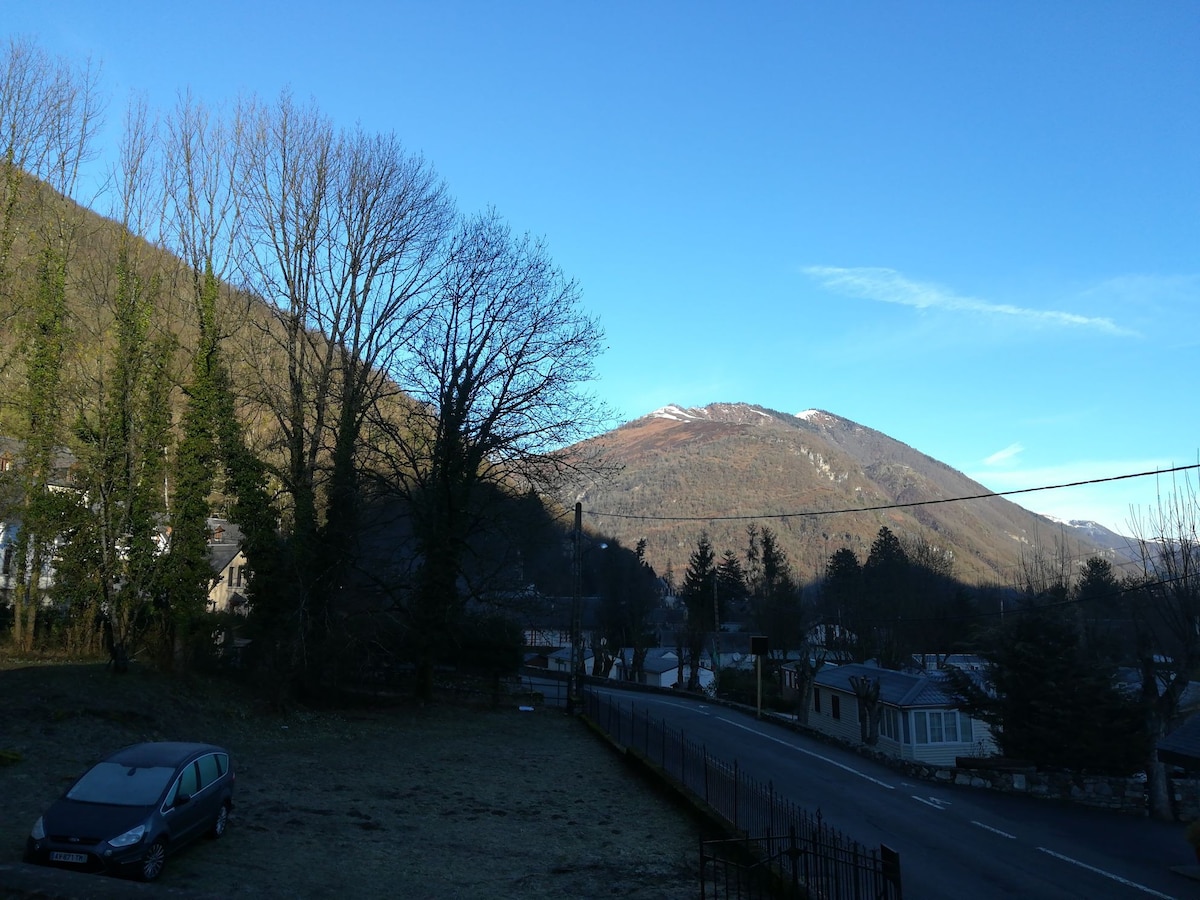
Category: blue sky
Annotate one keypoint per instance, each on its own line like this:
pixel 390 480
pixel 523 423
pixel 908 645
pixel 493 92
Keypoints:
pixel 972 226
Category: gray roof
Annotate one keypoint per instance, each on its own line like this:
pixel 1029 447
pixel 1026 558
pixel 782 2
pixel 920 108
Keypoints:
pixel 1182 746
pixel 895 688
pixel 224 544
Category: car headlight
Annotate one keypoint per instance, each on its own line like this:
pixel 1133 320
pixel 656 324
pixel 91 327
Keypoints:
pixel 39 830
pixel 129 838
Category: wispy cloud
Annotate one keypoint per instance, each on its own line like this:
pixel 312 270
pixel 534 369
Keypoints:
pixel 1004 457
pixel 889 286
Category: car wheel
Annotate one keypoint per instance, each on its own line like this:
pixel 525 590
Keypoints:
pixel 153 861
pixel 220 822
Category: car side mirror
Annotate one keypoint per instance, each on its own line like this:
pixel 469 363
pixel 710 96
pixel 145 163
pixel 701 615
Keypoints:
pixel 182 798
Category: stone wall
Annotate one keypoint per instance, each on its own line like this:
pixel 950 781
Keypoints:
pixel 1127 795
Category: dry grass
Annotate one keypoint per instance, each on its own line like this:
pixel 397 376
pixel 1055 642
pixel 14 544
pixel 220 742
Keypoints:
pixel 445 801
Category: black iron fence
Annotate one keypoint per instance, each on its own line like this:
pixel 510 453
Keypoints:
pixel 787 852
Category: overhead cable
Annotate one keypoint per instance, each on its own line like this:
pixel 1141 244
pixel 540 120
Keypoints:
pixel 886 506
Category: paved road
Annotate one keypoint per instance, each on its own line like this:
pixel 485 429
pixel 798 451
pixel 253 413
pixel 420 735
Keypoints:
pixel 954 842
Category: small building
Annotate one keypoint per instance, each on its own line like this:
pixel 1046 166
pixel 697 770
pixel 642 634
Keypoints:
pixel 920 720
pixel 560 660
pixel 231 574
pixel 660 668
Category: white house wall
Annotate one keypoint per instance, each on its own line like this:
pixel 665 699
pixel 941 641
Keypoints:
pixel 846 726
pixel 941 753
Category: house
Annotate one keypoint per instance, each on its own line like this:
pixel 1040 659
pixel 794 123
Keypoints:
pixel 660 668
pixel 230 570
pixel 560 660
pixel 920 718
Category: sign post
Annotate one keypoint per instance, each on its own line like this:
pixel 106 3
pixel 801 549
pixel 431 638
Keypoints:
pixel 758 646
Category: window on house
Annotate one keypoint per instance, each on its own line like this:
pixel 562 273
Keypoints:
pixel 229 581
pixel 835 706
pixel 889 723
pixel 941 726
pixel 241 571
pixel 816 699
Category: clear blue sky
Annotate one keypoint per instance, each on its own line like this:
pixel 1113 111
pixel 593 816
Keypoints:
pixel 970 225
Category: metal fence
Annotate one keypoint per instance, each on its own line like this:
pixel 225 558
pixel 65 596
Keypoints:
pixel 787 852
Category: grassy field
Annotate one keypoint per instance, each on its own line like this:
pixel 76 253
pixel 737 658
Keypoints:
pixel 446 801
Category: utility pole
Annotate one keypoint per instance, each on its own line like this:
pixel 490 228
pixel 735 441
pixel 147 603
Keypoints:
pixel 576 611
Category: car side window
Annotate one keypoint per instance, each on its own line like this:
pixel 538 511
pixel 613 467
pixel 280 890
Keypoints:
pixel 189 783
pixel 210 769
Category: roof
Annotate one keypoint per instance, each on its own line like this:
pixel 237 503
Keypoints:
pixel 657 660
pixel 895 688
pixel 160 753
pixel 224 544
pixel 1182 746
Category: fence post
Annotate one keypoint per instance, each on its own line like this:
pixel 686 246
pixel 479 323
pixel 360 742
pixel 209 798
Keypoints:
pixel 793 853
pixel 771 810
pixel 736 782
pixel 706 773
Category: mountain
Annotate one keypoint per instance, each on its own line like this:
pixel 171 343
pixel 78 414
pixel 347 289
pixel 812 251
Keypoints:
pixel 819 481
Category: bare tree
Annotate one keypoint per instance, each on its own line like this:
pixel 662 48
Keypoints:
pixel 870 708
pixel 393 217
pixel 346 237
pixel 497 376
pixel 1165 610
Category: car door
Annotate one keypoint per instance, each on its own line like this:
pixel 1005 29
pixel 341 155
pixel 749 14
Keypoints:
pixel 210 767
pixel 184 817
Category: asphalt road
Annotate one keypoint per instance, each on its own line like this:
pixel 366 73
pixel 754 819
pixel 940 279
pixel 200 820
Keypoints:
pixel 954 842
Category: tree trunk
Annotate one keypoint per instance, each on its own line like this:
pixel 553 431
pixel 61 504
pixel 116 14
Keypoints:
pixel 1158 792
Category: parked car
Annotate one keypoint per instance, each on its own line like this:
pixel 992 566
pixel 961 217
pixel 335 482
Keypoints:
pixel 128 811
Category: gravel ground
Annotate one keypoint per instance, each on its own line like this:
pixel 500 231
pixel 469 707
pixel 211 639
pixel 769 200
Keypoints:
pixel 445 801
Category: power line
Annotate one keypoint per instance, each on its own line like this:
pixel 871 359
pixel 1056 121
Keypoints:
pixel 887 506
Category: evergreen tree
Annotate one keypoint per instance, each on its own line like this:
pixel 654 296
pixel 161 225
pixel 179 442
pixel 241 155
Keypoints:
pixel 731 582
pixel 42 428
pixel 776 606
pixel 698 583
pixel 882 631
pixel 111 569
pixel 842 600
pixel 1051 701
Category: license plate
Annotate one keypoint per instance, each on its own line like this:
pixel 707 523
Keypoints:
pixel 57 856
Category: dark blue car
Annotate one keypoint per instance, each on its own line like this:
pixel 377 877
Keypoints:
pixel 128 811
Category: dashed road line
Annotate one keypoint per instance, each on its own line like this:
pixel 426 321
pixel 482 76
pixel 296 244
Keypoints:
pixel 932 801
pixel 826 759
pixel 1011 837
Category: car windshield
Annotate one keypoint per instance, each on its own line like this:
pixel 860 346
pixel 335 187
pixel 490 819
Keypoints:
pixel 121 785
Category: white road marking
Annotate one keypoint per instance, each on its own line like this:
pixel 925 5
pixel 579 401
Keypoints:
pixel 932 801
pixel 1117 878
pixel 832 762
pixel 1011 837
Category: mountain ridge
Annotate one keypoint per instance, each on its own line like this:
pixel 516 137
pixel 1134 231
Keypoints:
pixel 820 481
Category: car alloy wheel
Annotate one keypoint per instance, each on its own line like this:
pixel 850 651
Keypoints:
pixel 153 861
pixel 220 822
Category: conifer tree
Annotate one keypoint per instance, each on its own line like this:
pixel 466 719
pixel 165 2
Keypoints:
pixel 698 583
